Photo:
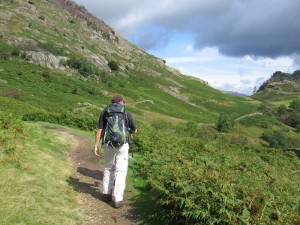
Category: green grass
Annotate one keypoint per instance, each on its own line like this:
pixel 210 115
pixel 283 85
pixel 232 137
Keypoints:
pixel 35 190
pixel 52 91
pixel 277 98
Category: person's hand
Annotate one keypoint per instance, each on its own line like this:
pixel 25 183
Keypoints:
pixel 97 153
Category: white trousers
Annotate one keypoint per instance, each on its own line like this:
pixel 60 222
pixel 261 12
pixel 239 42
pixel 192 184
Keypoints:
pixel 115 171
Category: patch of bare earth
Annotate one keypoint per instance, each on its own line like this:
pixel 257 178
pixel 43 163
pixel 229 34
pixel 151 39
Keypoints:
pixel 87 181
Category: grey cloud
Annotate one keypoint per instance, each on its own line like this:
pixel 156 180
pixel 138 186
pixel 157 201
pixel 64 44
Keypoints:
pixel 157 40
pixel 108 11
pixel 268 28
pixel 257 28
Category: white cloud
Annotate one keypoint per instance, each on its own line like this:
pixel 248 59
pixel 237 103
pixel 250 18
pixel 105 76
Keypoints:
pixel 240 74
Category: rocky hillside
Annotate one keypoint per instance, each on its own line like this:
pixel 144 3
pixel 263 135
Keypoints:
pixel 49 32
pixel 280 81
pixel 280 86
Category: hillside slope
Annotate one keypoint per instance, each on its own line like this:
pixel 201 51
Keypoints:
pixel 56 49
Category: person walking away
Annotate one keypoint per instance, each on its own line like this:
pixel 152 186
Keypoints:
pixel 114 127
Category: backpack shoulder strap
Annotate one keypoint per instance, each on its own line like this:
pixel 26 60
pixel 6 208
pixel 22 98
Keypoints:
pixel 126 119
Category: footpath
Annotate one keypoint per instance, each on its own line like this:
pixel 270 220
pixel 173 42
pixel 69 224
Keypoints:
pixel 87 181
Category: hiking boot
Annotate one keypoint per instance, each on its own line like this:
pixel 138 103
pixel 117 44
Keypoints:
pixel 118 204
pixel 106 197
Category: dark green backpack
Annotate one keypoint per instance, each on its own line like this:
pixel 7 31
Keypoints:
pixel 115 133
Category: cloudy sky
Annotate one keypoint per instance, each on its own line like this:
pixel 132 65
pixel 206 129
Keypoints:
pixel 234 45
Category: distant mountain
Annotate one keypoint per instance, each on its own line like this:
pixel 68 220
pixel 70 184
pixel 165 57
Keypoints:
pixel 233 93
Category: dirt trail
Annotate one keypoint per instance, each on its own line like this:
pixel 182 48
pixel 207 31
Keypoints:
pixel 88 182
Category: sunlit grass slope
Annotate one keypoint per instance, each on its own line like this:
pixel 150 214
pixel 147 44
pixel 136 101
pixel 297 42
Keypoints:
pixel 33 176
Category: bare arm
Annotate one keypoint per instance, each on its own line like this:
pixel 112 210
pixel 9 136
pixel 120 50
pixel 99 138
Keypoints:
pixel 134 131
pixel 97 141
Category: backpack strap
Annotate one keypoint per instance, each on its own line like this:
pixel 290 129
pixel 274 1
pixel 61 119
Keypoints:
pixel 126 119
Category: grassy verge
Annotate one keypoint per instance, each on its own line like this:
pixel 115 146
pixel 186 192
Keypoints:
pixel 33 174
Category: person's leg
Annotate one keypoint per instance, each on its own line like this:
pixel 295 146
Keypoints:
pixel 120 173
pixel 109 169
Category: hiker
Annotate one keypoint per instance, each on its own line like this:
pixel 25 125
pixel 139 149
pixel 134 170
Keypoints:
pixel 116 147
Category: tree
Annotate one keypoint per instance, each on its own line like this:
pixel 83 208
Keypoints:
pixel 276 138
pixel 295 105
pixel 298 128
pixel 282 113
pixel 294 119
pixel 267 109
pixel 224 123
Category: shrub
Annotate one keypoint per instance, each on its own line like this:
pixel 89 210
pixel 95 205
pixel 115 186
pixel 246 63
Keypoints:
pixel 276 139
pixel 74 91
pixel 106 35
pixel 84 67
pixel 240 140
pixel 224 123
pixel 42 17
pixel 66 119
pixel 191 129
pixel 282 113
pixel 217 183
pixel 298 128
pixel 294 119
pixel 92 91
pixel 24 56
pixel 294 142
pixel 15 52
pixel 113 65
pixel 267 109
pixel 295 105
pixel 46 75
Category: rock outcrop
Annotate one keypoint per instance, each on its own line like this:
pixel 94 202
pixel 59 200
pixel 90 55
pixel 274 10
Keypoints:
pixel 46 59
